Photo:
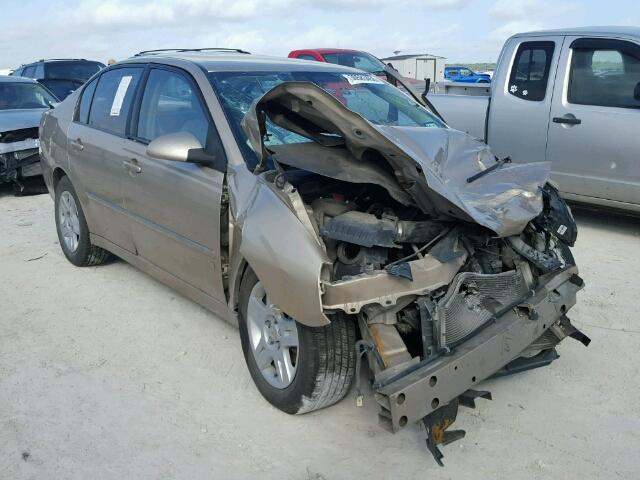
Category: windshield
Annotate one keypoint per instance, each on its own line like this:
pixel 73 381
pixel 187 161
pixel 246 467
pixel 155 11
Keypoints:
pixel 359 60
pixel 81 70
pixel 23 95
pixel 374 99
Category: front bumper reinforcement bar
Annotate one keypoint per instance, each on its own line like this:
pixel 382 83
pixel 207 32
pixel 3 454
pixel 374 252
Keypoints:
pixel 411 397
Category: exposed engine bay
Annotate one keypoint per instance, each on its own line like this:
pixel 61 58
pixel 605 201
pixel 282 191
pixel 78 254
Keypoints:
pixel 452 272
pixel 19 156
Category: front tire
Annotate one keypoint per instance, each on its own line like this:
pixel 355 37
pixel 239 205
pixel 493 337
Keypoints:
pixel 298 369
pixel 73 232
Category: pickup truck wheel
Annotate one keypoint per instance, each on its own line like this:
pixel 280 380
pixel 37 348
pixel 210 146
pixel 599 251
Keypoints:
pixel 73 232
pixel 296 368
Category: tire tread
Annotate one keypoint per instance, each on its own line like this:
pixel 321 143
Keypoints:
pixel 337 360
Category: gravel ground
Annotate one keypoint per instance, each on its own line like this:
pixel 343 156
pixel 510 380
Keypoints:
pixel 105 373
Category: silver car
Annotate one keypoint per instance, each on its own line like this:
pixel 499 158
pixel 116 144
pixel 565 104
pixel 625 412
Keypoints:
pixel 330 216
pixel 22 102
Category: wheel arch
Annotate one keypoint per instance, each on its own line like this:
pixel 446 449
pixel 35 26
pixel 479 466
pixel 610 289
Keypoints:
pixel 58 173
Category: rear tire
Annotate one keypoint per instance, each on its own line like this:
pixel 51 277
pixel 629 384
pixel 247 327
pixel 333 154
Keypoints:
pixel 324 357
pixel 73 232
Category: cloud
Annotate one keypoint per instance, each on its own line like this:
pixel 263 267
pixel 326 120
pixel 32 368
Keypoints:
pixel 500 34
pixel 522 10
pixel 169 12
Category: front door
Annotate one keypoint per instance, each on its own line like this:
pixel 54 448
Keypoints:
pixel 96 138
pixel 594 140
pixel 174 207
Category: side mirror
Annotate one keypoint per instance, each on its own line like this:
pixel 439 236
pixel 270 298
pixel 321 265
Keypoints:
pixel 181 147
pixel 636 92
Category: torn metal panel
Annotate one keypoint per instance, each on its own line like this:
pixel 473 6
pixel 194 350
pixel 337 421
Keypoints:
pixel 339 163
pixel 382 288
pixel 285 255
pixel 431 164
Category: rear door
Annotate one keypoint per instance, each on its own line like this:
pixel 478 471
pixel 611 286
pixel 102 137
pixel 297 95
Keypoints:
pixel 96 141
pixel 521 98
pixel 594 139
pixel 174 207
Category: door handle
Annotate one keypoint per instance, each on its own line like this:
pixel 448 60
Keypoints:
pixel 77 144
pixel 569 120
pixel 132 166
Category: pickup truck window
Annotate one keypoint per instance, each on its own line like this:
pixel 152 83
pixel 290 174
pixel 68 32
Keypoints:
pixel 530 70
pixel 605 73
pixel 304 56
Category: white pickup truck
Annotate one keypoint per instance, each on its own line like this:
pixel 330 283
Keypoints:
pixel 571 97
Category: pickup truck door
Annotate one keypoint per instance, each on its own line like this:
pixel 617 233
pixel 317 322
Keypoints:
pixel 174 207
pixel 594 139
pixel 521 98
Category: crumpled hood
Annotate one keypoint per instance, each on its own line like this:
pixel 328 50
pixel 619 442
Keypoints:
pixel 504 200
pixel 18 119
pixel 431 164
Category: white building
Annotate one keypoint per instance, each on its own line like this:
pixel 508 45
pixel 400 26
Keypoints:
pixel 419 66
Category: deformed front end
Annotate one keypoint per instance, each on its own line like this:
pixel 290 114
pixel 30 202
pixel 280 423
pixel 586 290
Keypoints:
pixel 451 276
pixel 19 155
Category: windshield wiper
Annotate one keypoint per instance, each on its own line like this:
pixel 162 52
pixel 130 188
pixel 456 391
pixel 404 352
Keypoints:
pixel 499 163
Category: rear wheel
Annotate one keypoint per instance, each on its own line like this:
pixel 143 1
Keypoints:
pixel 73 232
pixel 296 368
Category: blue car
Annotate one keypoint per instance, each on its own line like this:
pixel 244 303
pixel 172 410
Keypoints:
pixel 466 75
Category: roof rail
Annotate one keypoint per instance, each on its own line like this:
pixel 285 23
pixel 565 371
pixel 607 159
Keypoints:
pixel 60 59
pixel 182 50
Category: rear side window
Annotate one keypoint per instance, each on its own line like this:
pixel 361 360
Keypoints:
pixel 605 72
pixel 304 56
pixel 113 98
pixel 39 71
pixel 530 71
pixel 170 104
pixel 72 70
pixel 85 101
pixel 29 71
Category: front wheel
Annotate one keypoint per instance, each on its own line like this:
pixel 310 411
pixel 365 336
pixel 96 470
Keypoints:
pixel 296 368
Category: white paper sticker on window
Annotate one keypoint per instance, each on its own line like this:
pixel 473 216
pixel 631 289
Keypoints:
pixel 116 106
pixel 356 78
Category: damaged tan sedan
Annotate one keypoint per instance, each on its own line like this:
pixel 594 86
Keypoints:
pixel 334 218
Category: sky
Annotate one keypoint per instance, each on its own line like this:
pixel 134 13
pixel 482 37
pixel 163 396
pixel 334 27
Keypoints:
pixel 461 30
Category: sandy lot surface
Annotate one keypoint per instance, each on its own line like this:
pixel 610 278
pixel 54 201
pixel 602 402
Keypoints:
pixel 107 374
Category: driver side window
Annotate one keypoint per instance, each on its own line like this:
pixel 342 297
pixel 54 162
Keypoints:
pixel 605 72
pixel 170 104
